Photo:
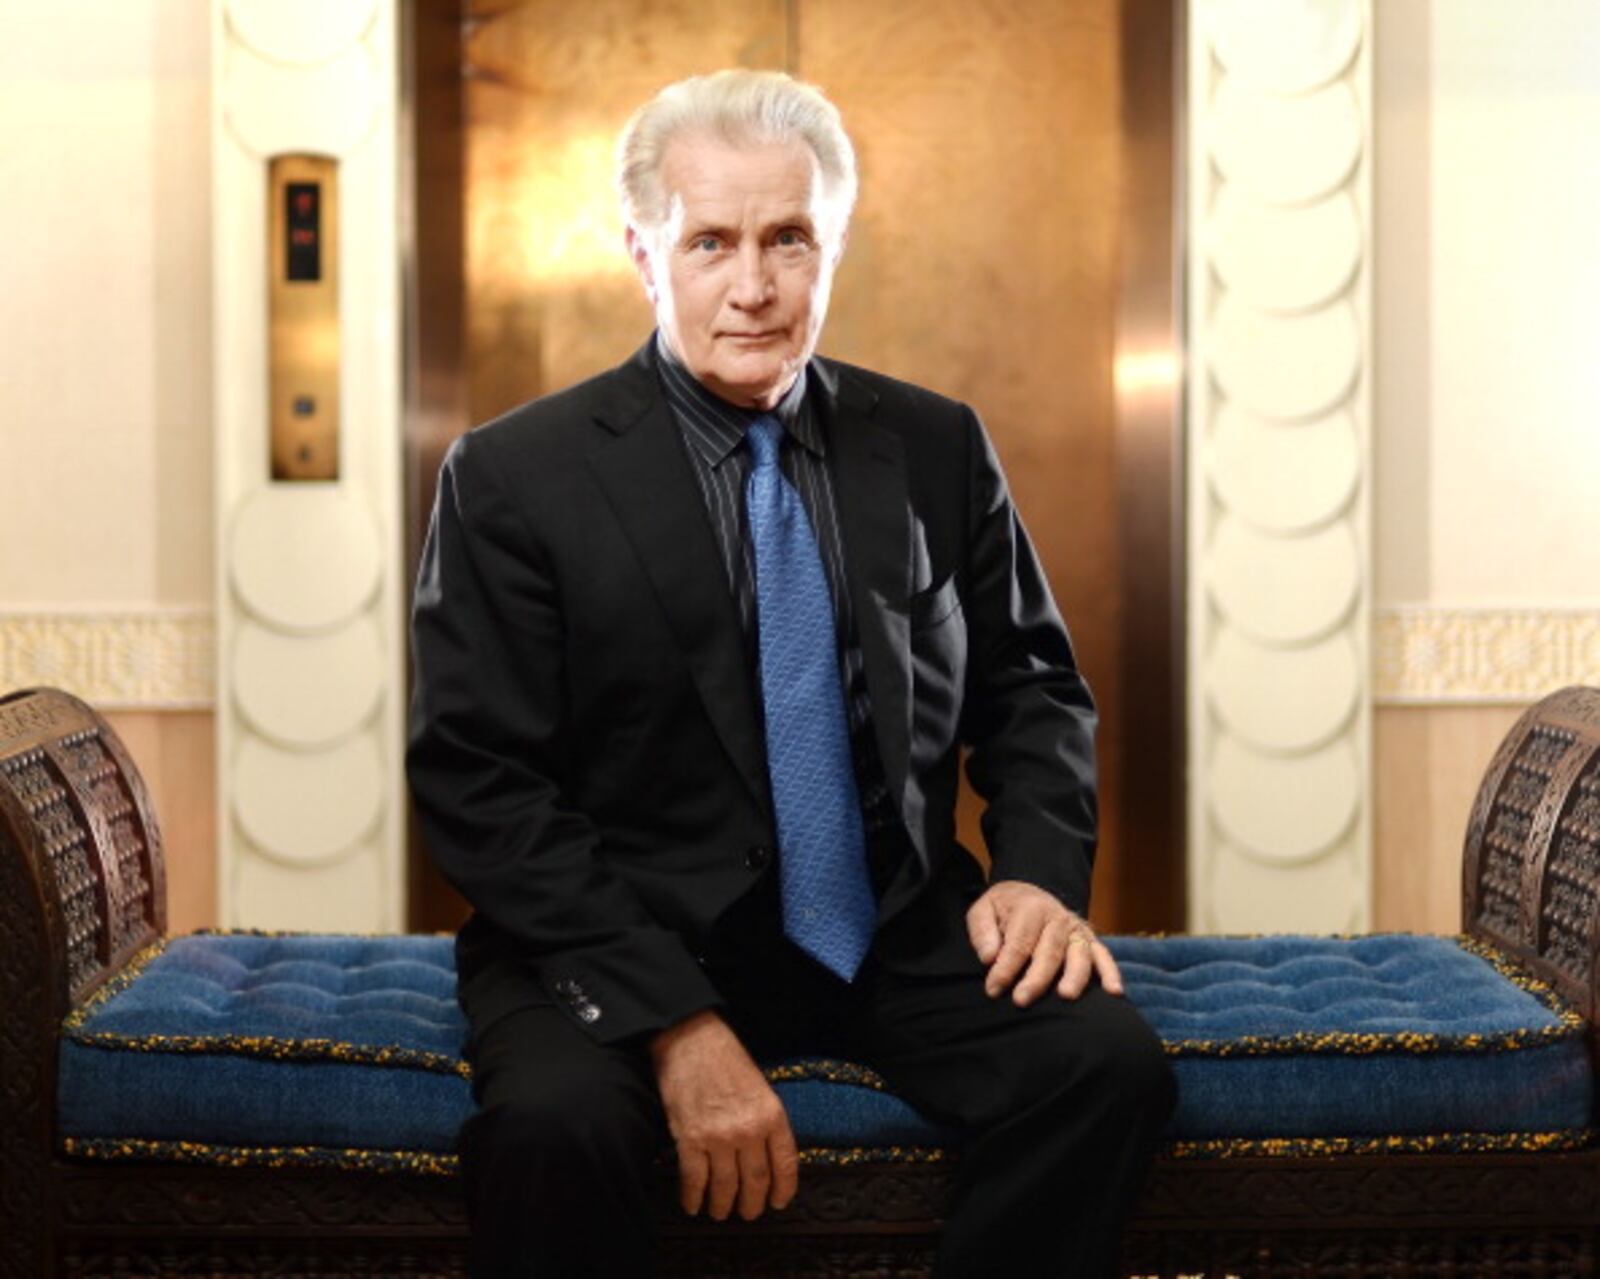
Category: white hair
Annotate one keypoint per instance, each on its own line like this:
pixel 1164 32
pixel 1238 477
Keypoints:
pixel 741 107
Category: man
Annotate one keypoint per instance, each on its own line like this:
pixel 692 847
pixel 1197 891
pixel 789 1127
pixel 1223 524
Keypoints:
pixel 698 644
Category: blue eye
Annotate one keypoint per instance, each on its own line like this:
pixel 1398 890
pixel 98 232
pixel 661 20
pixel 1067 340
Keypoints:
pixel 707 243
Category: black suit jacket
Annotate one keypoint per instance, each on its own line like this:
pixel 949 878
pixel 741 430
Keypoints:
pixel 586 752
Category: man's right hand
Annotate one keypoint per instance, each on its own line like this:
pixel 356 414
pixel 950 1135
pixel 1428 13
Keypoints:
pixel 732 1132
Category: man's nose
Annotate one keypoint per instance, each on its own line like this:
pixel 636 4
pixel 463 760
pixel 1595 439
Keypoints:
pixel 752 283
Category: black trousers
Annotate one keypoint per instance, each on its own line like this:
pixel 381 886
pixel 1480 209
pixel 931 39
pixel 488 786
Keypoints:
pixel 1061 1105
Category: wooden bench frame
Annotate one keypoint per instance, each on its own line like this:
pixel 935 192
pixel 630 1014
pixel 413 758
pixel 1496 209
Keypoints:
pixel 82 890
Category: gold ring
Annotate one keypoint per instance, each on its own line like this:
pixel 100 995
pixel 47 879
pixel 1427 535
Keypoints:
pixel 1078 939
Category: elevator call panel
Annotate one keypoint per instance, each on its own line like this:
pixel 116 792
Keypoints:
pixel 303 317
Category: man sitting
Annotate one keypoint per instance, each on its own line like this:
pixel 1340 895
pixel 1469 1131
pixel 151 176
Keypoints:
pixel 698 645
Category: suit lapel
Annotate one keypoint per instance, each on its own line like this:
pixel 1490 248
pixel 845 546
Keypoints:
pixel 875 515
pixel 640 466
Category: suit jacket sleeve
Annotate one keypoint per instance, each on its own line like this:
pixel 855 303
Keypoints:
pixel 1029 719
pixel 486 765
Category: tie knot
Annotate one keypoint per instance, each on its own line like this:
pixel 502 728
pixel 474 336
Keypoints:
pixel 765 434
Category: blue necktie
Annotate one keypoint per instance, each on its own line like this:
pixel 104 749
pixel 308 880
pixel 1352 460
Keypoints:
pixel 828 906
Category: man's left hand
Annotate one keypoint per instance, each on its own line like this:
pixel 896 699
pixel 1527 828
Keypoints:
pixel 1019 929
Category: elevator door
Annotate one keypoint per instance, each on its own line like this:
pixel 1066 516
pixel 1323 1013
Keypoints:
pixel 983 258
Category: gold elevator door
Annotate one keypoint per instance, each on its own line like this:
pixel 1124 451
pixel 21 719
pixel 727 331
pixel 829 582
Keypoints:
pixel 983 258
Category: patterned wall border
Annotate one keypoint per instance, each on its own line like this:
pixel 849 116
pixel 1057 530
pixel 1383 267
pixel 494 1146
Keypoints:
pixel 1482 656
pixel 132 659
pixel 165 658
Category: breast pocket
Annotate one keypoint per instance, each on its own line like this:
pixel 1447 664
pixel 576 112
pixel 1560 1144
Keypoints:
pixel 929 608
pixel 938 669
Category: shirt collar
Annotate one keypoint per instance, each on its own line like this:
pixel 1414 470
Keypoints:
pixel 715 427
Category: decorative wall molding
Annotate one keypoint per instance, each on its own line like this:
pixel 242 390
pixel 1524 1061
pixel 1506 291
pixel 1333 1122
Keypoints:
pixel 1278 434
pixel 164 658
pixel 116 659
pixel 1426 655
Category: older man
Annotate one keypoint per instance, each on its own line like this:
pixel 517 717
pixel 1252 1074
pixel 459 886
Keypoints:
pixel 698 645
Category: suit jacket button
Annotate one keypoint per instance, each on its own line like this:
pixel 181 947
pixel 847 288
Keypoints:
pixel 757 858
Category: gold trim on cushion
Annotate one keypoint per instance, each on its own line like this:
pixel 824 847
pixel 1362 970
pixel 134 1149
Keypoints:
pixel 410 1161
pixel 113 986
pixel 1473 1143
pixel 428 1163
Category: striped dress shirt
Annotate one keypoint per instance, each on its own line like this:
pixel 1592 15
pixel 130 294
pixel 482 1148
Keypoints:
pixel 713 433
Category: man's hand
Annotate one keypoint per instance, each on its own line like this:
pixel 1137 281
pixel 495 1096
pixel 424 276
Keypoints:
pixel 1015 925
pixel 733 1135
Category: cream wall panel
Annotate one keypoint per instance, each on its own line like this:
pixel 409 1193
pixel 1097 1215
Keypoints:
pixel 1281 589
pixel 1284 366
pixel 326 108
pixel 239 335
pixel 175 753
pixel 304 557
pixel 105 385
pixel 78 395
pixel 1515 174
pixel 1303 148
pixel 1259 249
pixel 1283 809
pixel 1278 443
pixel 308 583
pixel 1282 48
pixel 1429 763
pixel 104 367
pixel 1489 304
pixel 300 31
pixel 1402 304
pixel 308 691
pixel 309 898
pixel 1488 317
pixel 1284 700
pixel 1248 895
pixel 303 807
pixel 1284 481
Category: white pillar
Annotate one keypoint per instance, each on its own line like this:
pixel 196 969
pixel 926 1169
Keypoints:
pixel 1278 433
pixel 310 676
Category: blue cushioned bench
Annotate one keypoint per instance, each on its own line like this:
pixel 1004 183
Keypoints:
pixel 344 1051
pixel 252 1101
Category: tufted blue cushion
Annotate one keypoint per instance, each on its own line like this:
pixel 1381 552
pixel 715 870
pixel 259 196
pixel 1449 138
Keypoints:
pixel 1364 1036
pixel 241 1040
pixel 266 1040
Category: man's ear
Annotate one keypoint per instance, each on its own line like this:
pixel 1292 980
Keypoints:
pixel 639 251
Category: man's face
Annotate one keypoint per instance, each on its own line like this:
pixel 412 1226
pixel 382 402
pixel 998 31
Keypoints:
pixel 740 271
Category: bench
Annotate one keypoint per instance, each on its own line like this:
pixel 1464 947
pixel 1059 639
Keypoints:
pixel 248 1103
